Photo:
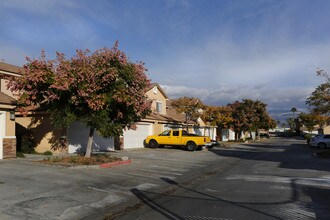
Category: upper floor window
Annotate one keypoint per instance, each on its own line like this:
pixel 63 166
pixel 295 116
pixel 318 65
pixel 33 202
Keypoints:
pixel 159 107
pixel 155 90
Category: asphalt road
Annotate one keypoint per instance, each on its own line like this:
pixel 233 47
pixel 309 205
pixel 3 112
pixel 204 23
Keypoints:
pixel 32 190
pixel 275 179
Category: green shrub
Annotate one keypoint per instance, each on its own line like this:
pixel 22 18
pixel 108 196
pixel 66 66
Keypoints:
pixel 56 159
pixel 74 159
pixel 27 145
pixel 308 136
pixel 48 153
pixel 20 154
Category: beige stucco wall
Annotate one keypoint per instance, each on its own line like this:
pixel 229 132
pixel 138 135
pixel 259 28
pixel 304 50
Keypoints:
pixel 158 128
pixel 45 136
pixel 10 125
pixel 4 89
pixel 158 96
pixel 326 130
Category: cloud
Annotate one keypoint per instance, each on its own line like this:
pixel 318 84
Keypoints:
pixel 275 98
pixel 219 63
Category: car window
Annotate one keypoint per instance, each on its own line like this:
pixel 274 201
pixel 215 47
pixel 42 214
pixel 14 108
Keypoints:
pixel 326 136
pixel 184 133
pixel 175 133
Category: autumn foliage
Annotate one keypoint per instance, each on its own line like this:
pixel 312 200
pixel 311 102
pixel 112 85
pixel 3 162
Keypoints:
pixel 103 89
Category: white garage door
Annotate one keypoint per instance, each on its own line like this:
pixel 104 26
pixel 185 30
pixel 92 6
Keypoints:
pixel 78 137
pixel 135 138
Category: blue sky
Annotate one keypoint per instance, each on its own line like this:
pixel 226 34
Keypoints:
pixel 217 50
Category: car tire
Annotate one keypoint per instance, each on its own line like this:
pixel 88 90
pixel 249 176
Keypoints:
pixel 191 146
pixel 153 143
pixel 322 145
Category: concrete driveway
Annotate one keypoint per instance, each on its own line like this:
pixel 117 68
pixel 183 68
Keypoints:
pixel 31 190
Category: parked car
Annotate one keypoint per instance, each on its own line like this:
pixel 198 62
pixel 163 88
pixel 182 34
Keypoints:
pixel 178 138
pixel 320 141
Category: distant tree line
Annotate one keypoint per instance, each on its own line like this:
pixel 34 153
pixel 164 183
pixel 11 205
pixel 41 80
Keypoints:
pixel 319 103
pixel 241 116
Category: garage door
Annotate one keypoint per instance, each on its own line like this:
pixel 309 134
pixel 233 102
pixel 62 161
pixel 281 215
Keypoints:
pixel 78 136
pixel 135 138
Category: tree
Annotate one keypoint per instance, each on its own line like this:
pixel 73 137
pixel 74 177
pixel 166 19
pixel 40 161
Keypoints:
pixel 103 90
pixel 278 122
pixel 250 115
pixel 310 120
pixel 191 107
pixel 220 116
pixel 319 100
pixel 290 122
pixel 293 111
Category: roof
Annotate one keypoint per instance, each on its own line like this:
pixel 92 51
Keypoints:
pixel 6 99
pixel 11 68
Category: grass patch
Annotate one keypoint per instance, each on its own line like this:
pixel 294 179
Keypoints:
pixel 81 160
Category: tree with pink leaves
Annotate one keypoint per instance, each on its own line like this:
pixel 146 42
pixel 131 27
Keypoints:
pixel 103 90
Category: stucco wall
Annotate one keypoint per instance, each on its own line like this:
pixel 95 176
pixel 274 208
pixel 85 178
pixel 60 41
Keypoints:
pixel 4 88
pixel 158 128
pixel 10 125
pixel 45 136
pixel 158 96
pixel 326 130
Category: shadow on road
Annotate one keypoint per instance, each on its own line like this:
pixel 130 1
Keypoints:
pixel 201 205
pixel 197 206
pixel 308 197
pixel 292 156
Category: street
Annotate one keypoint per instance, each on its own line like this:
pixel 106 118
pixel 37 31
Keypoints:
pixel 276 179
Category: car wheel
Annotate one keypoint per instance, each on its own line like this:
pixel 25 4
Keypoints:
pixel 322 145
pixel 153 144
pixel 191 146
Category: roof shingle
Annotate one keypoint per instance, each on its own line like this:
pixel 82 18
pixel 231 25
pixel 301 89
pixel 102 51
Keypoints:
pixel 5 99
pixel 11 68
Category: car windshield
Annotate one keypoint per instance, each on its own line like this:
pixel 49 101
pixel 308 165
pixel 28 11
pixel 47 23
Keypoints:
pixel 165 133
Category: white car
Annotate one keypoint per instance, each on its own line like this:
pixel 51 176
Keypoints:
pixel 320 141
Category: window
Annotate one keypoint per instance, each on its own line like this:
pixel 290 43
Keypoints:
pixel 175 133
pixel 159 107
pixel 165 133
pixel 154 90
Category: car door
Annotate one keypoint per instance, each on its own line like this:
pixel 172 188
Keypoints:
pixel 176 138
pixel 164 138
pixel 326 139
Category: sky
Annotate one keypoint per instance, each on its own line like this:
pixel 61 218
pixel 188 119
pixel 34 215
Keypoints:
pixel 220 51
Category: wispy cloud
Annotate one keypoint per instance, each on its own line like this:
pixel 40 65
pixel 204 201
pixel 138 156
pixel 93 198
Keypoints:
pixel 277 99
pixel 219 51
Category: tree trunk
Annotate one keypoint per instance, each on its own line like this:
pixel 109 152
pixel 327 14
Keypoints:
pixel 90 142
pixel 187 122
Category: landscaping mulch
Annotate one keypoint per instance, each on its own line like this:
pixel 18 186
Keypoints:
pixel 80 160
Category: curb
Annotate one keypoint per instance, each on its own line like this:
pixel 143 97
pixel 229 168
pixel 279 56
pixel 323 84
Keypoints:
pixel 112 164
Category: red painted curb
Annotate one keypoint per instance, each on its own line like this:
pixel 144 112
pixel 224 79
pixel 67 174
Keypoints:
pixel 112 164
